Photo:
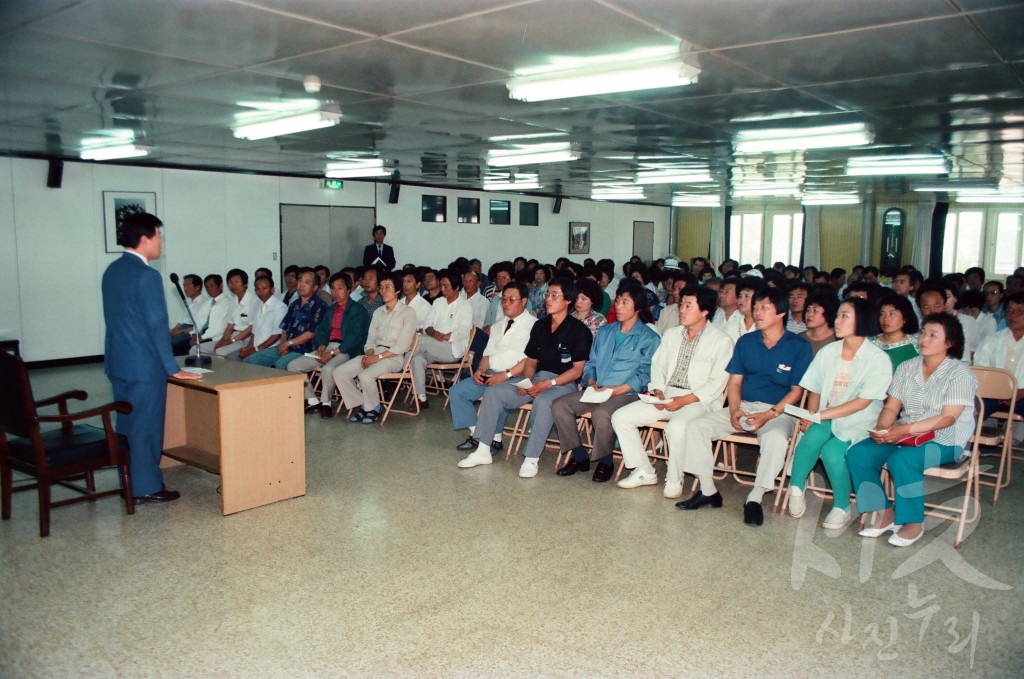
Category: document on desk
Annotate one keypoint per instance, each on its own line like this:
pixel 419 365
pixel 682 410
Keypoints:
pixel 197 371
pixel 591 395
pixel 802 414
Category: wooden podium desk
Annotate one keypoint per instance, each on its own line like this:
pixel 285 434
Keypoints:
pixel 245 423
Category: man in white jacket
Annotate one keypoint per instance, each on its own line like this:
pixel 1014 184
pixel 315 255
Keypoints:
pixel 688 369
pixel 1005 349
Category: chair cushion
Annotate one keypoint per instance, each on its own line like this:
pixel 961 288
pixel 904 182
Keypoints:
pixel 66 446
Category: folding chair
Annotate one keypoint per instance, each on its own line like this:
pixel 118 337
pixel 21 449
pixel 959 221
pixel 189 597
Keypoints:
pixel 586 429
pixel 439 373
pixel 998 384
pixel 965 470
pixel 652 437
pixel 519 432
pixel 401 380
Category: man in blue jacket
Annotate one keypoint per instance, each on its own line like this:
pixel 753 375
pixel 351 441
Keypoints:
pixel 137 351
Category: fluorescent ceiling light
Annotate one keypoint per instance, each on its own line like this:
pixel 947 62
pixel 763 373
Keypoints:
pixel 696 200
pixel 617 193
pixel 920 163
pixel 533 154
pixel 604 75
pixel 517 182
pixel 989 196
pixel 796 139
pixel 112 145
pixel 357 167
pixel 270 123
pixel 830 199
pixel 114 152
pixel 953 185
pixel 672 176
pixel 514 137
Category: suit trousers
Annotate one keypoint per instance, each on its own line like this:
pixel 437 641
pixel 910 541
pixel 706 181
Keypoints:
pixel 358 385
pixel 501 398
pixel 462 398
pixel 698 455
pixel 567 408
pixel 304 364
pixel 429 350
pixel 144 427
pixel 627 422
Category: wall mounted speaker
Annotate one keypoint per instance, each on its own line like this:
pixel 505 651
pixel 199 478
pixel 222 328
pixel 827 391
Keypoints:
pixel 55 174
pixel 558 205
pixel 393 196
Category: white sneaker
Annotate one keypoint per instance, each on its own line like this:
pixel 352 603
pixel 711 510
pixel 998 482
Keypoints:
pixel 837 518
pixel 529 468
pixel 638 478
pixel 673 491
pixel 476 458
pixel 797 503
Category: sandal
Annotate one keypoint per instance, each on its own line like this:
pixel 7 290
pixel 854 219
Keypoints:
pixel 357 416
pixel 369 417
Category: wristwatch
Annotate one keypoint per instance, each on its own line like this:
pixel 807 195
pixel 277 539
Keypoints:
pixel 508 374
pixel 553 383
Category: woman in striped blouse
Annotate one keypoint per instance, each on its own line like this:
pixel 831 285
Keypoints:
pixel 933 392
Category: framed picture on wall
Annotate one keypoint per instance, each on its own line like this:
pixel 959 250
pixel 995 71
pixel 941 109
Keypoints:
pixel 119 204
pixel 579 238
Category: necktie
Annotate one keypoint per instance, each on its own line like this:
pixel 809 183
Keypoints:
pixel 206 327
pixel 508 326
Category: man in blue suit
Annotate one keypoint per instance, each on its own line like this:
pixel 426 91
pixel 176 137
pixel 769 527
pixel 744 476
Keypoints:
pixel 137 351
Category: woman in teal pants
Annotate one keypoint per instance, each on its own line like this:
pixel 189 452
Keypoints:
pixel 846 384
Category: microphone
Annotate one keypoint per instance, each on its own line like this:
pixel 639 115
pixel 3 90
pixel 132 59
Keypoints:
pixel 197 359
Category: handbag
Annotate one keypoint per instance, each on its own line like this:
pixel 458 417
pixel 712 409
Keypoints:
pixel 916 439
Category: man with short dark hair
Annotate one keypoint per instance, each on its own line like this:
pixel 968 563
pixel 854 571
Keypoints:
pixel 137 354
pixel 764 377
pixel 975 277
pixel 339 337
pixel 266 327
pixel 994 303
pixel 378 254
pixel 298 327
pixel 728 318
pixel 1005 349
pixel 907 284
pixel 370 299
pixel 411 296
pixel 199 306
pixel 323 282
pixel 688 370
pixel 244 308
pixel 446 337
pixel 219 314
pixel 291 280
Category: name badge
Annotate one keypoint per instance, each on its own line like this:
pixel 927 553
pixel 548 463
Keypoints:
pixel 783 368
pixel 566 358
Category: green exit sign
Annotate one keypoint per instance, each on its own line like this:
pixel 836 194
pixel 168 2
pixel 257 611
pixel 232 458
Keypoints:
pixel 334 184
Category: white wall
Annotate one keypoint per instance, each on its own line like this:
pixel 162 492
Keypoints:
pixel 52 252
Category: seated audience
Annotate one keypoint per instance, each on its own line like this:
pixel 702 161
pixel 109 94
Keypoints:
pixel 728 317
pixel 446 337
pixel 244 307
pixel 389 339
pixel 688 369
pixel 339 337
pixel 298 327
pixel 846 384
pixel 291 283
pixel 931 393
pixel 199 305
pixel 620 365
pixel 898 322
pixel 221 310
pixel 323 283
pixel 994 303
pixel 764 376
pixel 370 299
pixel 1004 349
pixel 585 309
pixel 503 359
pixel 266 326
pixel 798 295
pixel 411 297
pixel 558 348
pixel 820 316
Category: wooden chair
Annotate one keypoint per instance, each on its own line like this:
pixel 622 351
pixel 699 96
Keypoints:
pixel 400 381
pixel 56 456
pixel 439 373
pixel 998 384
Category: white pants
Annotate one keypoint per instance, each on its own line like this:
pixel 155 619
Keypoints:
pixel 696 443
pixel 627 420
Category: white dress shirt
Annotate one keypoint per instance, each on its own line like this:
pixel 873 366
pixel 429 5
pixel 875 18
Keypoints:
pixel 732 326
pixel 479 304
pixel 422 309
pixel 268 319
pixel 505 349
pixel 244 311
pixel 221 311
pixel 455 318
pixel 200 308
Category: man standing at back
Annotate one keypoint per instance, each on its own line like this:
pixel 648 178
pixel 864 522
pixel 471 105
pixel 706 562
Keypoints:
pixel 378 254
pixel 137 351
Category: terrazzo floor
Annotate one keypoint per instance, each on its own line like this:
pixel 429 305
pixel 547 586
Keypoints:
pixel 398 564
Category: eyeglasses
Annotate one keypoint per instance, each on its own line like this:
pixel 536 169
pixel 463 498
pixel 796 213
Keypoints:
pixel 554 295
pixel 510 300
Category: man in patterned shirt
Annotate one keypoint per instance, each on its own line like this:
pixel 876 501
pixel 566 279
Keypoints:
pixel 298 327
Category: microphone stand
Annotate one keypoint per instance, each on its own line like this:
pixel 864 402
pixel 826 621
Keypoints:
pixel 190 360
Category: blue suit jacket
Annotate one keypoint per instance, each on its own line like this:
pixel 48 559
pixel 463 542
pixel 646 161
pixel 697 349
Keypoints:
pixel 138 345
